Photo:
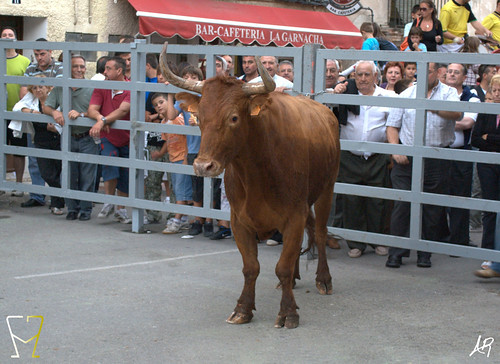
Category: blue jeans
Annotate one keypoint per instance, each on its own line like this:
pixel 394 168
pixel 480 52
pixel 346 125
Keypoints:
pixel 36 177
pixel 496 265
pixel 182 185
pixel 112 172
pixel 82 175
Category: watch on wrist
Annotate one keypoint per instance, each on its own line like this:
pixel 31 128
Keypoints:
pixel 82 115
pixel 103 120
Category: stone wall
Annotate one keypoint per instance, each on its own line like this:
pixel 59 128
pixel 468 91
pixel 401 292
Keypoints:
pixel 102 17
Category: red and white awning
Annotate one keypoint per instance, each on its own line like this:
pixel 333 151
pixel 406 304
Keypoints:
pixel 211 19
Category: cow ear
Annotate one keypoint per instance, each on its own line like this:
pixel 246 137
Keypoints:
pixel 189 101
pixel 257 103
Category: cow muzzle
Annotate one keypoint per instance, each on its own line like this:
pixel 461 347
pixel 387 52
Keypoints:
pixel 206 168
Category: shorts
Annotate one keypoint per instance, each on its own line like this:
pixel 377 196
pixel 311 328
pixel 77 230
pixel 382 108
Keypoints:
pixel 182 185
pixel 197 182
pixel 114 172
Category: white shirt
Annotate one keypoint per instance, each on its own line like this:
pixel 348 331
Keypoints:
pixel 98 77
pixel 459 134
pixel 440 132
pixel 278 80
pixel 369 125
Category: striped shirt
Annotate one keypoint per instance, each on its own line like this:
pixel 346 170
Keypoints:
pixel 439 132
pixel 55 69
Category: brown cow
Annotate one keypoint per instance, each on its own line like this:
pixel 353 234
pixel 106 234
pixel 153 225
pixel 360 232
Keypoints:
pixel 281 155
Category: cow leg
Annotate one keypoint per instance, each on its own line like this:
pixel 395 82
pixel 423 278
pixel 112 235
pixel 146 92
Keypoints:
pixel 247 245
pixel 285 270
pixel 322 210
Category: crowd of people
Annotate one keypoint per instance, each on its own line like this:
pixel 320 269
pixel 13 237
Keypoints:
pixel 445 129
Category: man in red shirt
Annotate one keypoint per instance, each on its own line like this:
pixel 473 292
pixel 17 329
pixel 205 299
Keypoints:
pixel 107 106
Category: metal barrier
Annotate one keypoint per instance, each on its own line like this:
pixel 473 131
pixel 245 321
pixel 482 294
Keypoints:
pixel 309 64
pixel 419 151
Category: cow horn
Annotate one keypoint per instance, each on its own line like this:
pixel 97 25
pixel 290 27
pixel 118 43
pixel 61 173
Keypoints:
pixel 267 85
pixel 175 80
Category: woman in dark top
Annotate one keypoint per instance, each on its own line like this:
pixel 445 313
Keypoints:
pixel 430 25
pixel 46 137
pixel 486 137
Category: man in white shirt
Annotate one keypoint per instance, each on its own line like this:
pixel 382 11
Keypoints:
pixel 363 123
pixel 271 65
pixel 440 133
pixel 249 69
pixel 460 183
pixel 285 70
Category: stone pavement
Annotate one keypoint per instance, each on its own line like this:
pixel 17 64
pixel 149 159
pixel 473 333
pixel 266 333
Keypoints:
pixel 110 296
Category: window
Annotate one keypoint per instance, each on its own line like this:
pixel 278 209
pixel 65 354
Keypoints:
pixel 83 37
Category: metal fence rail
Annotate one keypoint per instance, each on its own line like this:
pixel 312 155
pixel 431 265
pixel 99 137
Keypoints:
pixel 309 64
pixel 419 151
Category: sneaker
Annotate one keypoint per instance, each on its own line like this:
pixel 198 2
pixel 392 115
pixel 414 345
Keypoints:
pixel 271 242
pixel 487 273
pixel 107 209
pixel 355 253
pixel 381 250
pixel 208 229
pixel 56 211
pixel 121 216
pixel 17 193
pixel 222 233
pixel 195 228
pixel 173 227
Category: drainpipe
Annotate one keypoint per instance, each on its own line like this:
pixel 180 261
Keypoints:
pixel 370 10
pixel 75 8
pixel 90 12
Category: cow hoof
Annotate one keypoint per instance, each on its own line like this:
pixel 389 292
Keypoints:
pixel 324 288
pixel 290 321
pixel 239 318
pixel 280 321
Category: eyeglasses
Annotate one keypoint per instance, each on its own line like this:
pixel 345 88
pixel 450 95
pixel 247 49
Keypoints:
pixel 424 9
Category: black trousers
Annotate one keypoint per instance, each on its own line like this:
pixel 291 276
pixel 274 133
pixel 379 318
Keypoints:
pixel 489 177
pixel 434 224
pixel 358 212
pixel 460 185
pixel 50 170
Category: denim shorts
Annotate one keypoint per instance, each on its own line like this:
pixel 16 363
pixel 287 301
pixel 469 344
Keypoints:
pixel 114 172
pixel 182 186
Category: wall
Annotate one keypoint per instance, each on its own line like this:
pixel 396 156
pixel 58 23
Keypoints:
pixel 102 17
pixel 51 20
pixel 380 11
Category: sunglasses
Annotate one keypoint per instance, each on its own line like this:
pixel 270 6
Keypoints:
pixel 424 9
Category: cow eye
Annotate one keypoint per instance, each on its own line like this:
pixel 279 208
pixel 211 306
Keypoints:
pixel 234 119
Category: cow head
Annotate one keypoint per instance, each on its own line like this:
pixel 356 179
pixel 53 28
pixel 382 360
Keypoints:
pixel 224 110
